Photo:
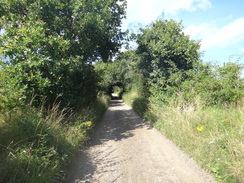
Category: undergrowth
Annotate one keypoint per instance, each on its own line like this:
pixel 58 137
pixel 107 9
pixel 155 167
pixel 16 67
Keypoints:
pixel 36 145
pixel 212 135
pixel 138 102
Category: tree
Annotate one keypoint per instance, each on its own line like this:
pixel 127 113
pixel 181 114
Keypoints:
pixel 165 49
pixel 52 44
pixel 122 72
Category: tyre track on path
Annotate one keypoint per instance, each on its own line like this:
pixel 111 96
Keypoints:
pixel 125 149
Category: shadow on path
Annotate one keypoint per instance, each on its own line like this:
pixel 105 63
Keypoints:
pixel 100 156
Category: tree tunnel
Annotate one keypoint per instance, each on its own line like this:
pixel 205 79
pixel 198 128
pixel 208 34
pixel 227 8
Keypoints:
pixel 118 88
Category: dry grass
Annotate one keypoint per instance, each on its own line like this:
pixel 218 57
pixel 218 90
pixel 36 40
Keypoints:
pixel 213 136
pixel 36 145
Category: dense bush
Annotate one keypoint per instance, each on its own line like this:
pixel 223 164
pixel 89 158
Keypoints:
pixel 214 84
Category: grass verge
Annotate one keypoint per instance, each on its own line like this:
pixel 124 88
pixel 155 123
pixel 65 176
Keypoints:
pixel 137 102
pixel 36 145
pixel 212 135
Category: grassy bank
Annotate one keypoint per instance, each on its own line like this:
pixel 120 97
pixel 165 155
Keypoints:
pixel 212 135
pixel 36 145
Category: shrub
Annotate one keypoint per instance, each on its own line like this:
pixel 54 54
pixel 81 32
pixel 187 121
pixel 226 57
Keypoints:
pixel 214 84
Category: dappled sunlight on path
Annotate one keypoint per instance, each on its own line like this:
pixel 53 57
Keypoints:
pixel 125 148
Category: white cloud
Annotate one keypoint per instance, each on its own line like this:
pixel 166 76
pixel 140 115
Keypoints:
pixel 187 5
pixel 196 31
pixel 213 36
pixel 145 11
pixel 242 49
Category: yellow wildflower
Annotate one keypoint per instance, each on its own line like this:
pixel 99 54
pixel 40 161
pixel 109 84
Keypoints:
pixel 200 128
pixel 89 123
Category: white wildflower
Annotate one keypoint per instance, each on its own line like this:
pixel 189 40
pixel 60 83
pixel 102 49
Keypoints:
pixel 53 152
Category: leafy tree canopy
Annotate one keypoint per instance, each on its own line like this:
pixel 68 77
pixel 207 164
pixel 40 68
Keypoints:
pixel 164 49
pixel 52 43
pixel 90 29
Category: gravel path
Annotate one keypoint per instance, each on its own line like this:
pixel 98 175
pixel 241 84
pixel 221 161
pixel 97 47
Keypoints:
pixel 125 149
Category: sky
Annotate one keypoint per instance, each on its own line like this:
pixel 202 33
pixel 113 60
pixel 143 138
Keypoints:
pixel 219 24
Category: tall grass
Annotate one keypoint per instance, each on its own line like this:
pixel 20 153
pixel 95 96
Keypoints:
pixel 212 135
pixel 136 99
pixel 36 145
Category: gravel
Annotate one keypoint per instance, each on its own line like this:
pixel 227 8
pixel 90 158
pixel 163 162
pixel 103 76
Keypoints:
pixel 126 149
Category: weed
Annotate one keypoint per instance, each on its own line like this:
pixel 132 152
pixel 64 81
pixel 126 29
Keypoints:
pixel 37 145
pixel 212 135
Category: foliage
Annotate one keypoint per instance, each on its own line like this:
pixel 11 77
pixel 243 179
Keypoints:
pixel 123 72
pixel 212 135
pixel 37 145
pixel 51 45
pixel 197 105
pixel 214 84
pixel 164 49
pixel 75 28
pixel 10 96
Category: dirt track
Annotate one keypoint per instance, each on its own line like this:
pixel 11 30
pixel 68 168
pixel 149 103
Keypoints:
pixel 125 149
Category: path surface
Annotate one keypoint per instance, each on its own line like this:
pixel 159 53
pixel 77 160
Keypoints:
pixel 125 149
